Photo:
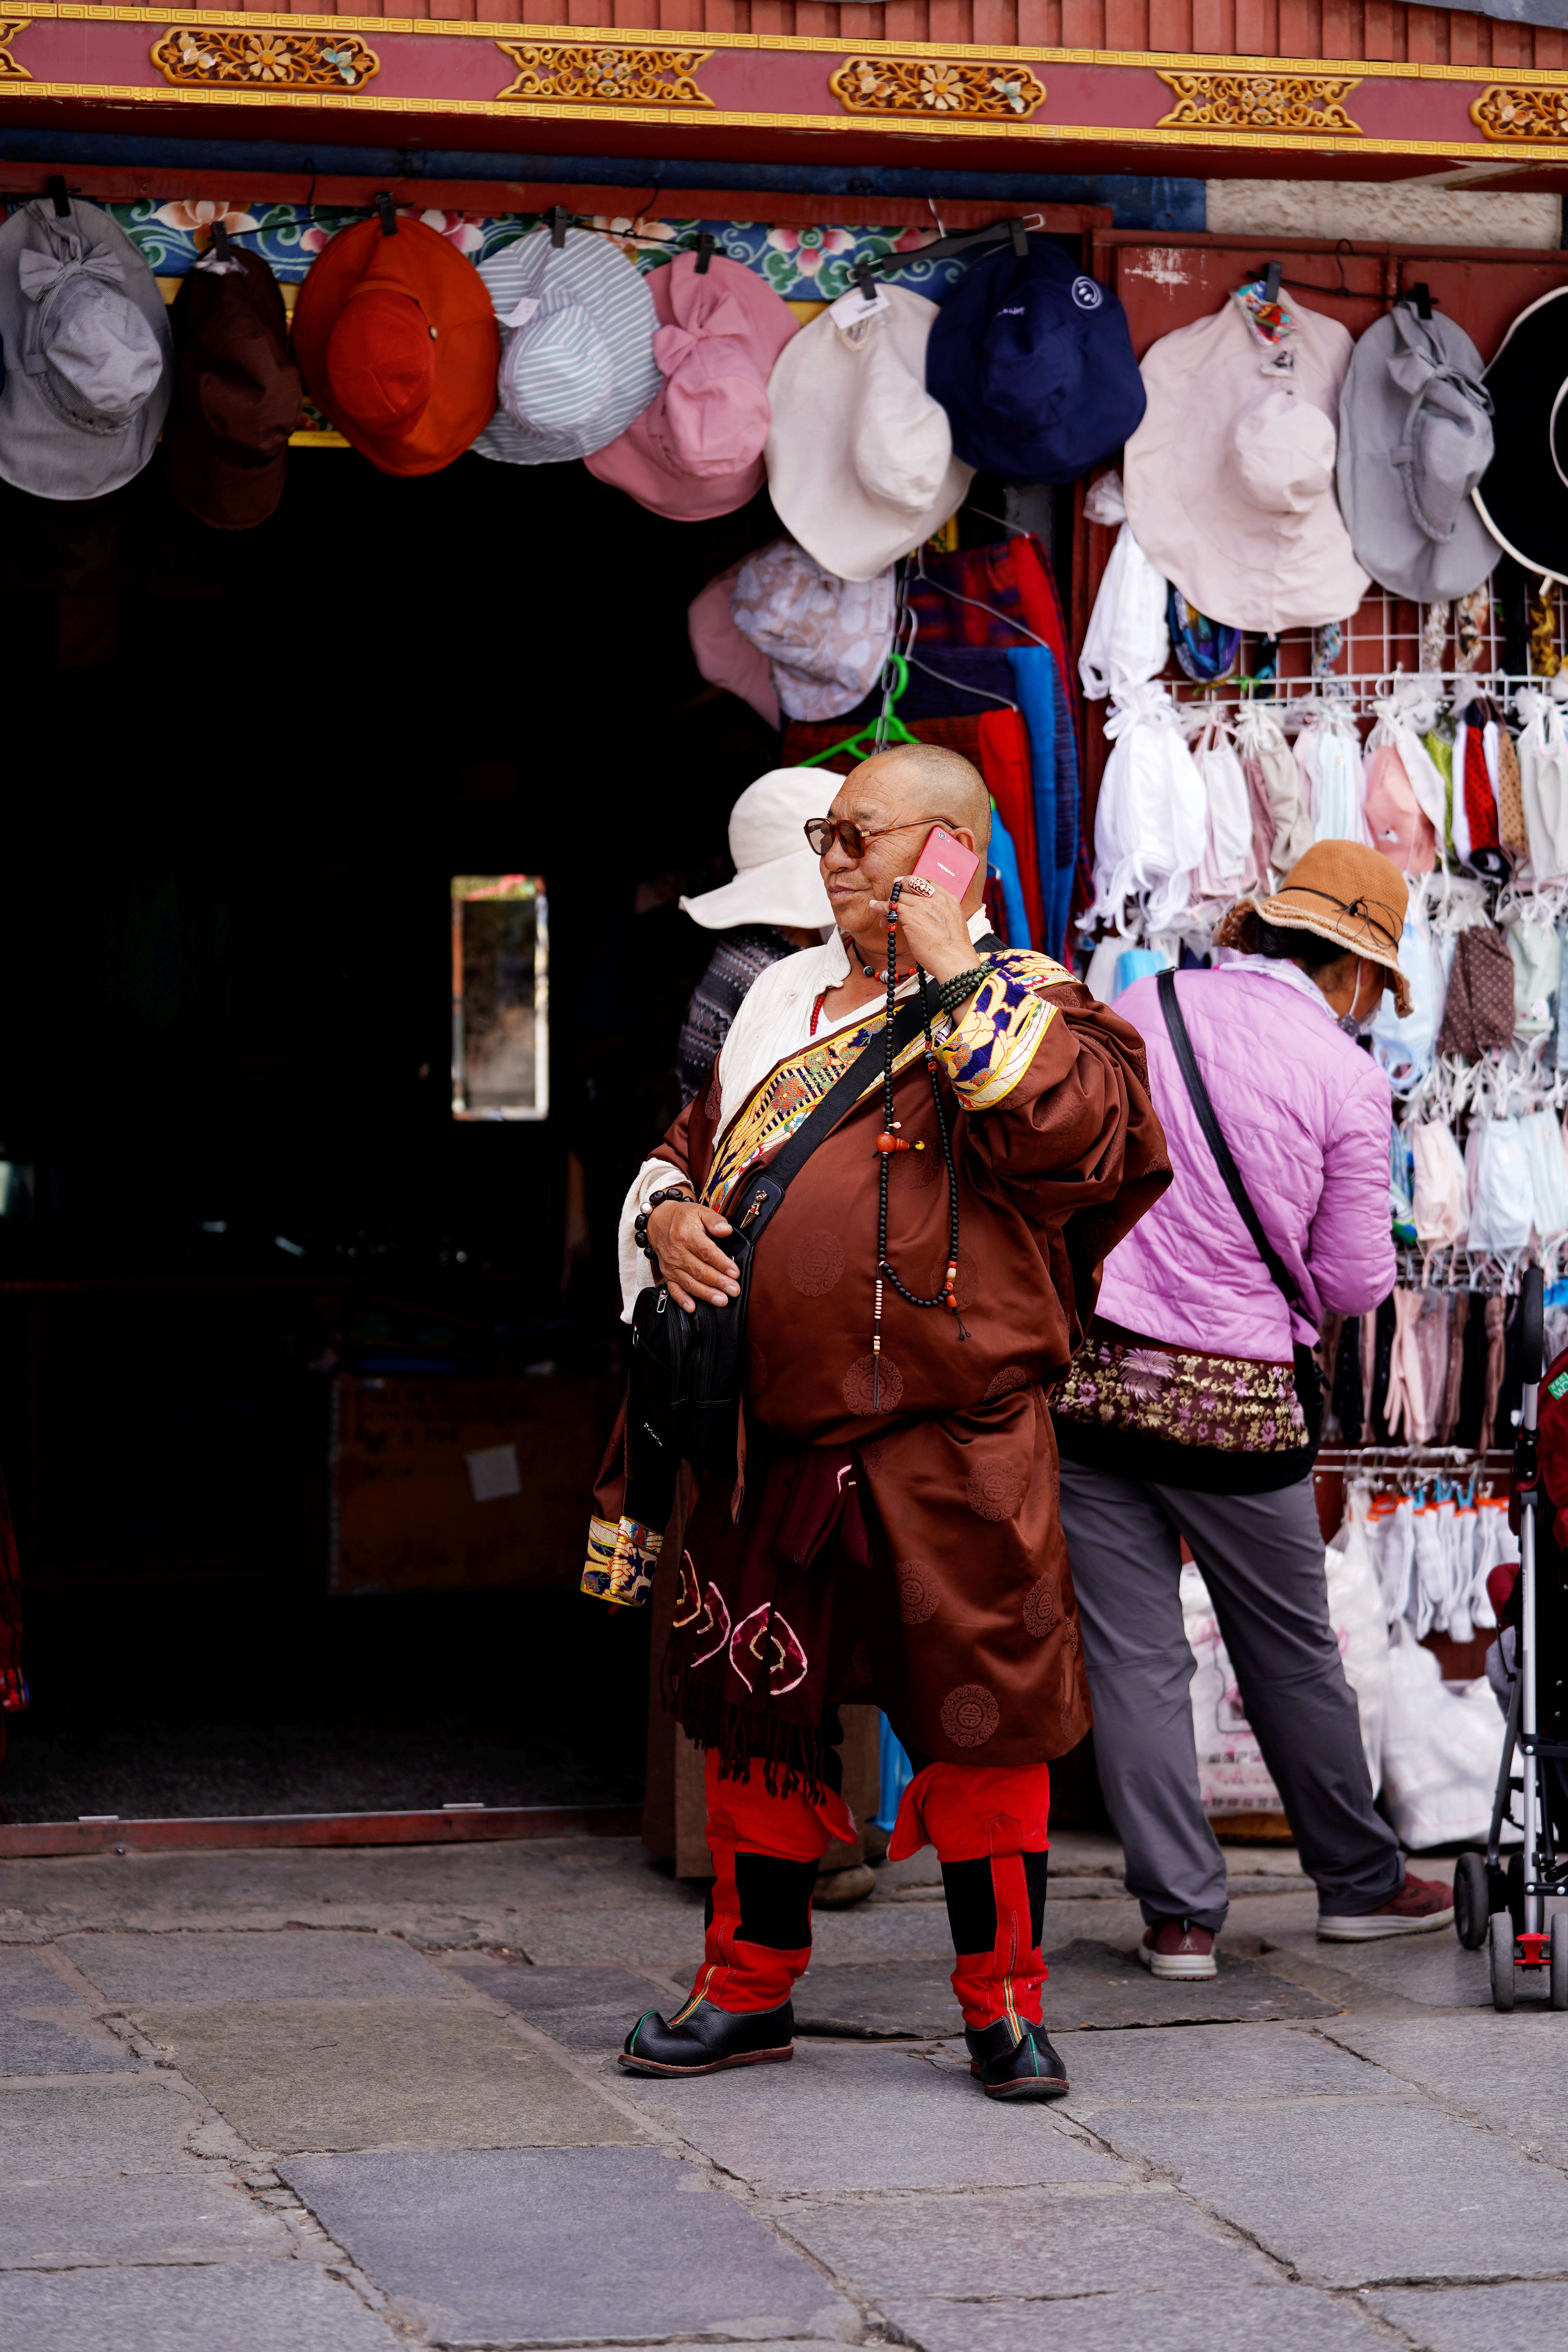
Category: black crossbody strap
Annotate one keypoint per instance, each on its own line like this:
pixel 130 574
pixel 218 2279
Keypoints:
pixel 1187 1063
pixel 840 1098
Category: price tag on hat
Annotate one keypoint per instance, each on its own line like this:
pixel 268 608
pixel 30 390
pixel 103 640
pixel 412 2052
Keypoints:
pixel 523 312
pixel 860 303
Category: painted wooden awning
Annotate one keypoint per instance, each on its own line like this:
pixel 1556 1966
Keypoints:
pixel 1368 90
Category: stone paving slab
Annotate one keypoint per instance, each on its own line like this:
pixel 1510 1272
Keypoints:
pixel 148 2216
pixel 591 2010
pixel 841 2116
pixel 1089 1984
pixel 1282 2318
pixel 1475 2318
pixel 1218 2063
pixel 618 2242
pixel 69 2130
pixel 1354 2191
pixel 297 2074
pixel 281 2306
pixel 287 1963
pixel 1433 1968
pixel 1030 2242
pixel 43 2029
pixel 1509 2072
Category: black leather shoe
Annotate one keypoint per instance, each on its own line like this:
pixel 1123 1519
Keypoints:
pixel 1005 2069
pixel 705 2040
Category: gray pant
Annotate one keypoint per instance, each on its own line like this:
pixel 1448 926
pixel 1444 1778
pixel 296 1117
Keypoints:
pixel 1262 1558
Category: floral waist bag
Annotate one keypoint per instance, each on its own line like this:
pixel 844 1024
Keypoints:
pixel 1235 1404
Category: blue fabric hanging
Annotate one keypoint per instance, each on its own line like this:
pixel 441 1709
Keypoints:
pixel 1004 860
pixel 1034 683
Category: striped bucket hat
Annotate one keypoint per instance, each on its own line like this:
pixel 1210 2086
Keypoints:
pixel 577 365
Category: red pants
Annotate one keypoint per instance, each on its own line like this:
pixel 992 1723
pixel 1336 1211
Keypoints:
pixel 988 1825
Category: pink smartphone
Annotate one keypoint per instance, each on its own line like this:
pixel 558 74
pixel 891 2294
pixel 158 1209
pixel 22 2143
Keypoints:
pixel 947 862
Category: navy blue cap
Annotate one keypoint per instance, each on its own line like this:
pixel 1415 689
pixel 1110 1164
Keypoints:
pixel 1032 362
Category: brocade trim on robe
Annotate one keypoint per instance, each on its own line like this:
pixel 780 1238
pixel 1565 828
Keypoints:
pixel 988 1049
pixel 621 1557
pixel 790 1093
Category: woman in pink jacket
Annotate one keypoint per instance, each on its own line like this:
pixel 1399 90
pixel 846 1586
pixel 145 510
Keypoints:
pixel 1180 1415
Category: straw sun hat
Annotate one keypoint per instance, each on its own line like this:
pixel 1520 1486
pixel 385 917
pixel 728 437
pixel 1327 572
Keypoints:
pixel 1341 891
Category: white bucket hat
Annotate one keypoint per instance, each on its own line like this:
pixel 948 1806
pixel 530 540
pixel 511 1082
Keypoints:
pixel 778 879
pixel 577 365
pixel 1230 480
pixel 89 356
pixel 859 456
pixel 826 639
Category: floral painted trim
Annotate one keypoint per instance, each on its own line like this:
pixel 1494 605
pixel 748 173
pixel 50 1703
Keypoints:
pixel 621 1557
pixel 1233 1404
pixel 791 1092
pixel 998 1034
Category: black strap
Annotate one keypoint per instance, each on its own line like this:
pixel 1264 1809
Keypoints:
pixel 1187 1061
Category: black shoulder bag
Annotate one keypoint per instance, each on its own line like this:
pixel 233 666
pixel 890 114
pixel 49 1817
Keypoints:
pixel 1309 1379
pixel 688 1371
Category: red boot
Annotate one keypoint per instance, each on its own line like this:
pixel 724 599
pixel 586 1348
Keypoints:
pixel 766 1852
pixel 989 1826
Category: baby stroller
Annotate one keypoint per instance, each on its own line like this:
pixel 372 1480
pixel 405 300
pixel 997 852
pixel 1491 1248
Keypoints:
pixel 1506 1910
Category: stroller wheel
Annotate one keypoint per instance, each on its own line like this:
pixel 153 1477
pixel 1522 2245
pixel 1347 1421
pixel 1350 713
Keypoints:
pixel 1500 1952
pixel 1472 1906
pixel 1559 1994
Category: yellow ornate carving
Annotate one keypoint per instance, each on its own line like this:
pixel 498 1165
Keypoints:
pixel 241 56
pixel 9 28
pixel 953 86
pixel 1513 110
pixel 580 73
pixel 1270 102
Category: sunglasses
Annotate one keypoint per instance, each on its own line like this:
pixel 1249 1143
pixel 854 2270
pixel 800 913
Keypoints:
pixel 822 831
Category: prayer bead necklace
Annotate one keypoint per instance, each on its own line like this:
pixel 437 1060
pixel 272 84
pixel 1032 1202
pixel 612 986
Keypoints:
pixel 889 1142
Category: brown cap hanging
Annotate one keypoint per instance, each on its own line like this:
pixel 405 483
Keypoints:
pixel 238 393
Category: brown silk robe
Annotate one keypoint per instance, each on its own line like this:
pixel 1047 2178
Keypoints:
pixel 963 1628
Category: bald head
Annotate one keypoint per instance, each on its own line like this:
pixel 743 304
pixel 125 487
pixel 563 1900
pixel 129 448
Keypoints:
pixel 923 782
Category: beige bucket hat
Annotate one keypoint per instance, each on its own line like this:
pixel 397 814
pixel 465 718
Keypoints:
pixel 1230 480
pixel 859 456
pixel 1341 891
pixel 777 878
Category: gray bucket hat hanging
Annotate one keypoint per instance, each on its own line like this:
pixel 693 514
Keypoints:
pixel 89 353
pixel 1415 436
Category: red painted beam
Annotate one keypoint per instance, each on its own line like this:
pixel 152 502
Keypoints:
pixel 456 1826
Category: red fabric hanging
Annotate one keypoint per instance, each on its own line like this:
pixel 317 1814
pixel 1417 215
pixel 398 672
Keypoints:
pixel 1003 762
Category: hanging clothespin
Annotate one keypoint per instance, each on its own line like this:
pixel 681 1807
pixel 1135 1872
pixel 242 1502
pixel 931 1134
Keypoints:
pixel 54 189
pixel 557 220
pixel 1272 273
pixel 860 274
pixel 386 213
pixel 222 244
pixel 1421 296
pixel 1020 241
pixel 706 243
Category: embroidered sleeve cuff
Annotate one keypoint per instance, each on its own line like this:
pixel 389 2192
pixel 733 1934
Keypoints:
pixel 994 1040
pixel 621 1560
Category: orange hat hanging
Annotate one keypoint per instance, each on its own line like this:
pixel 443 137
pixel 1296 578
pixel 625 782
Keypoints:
pixel 397 337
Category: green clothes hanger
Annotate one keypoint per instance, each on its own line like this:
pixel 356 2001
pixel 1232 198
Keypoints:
pixel 885 729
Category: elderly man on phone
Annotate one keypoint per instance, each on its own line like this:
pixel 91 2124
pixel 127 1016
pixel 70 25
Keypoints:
pixel 893 1534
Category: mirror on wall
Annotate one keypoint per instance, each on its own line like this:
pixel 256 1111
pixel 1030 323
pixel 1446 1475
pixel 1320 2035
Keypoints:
pixel 501 996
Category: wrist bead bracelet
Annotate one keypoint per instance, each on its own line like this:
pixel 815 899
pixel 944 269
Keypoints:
pixel 639 1222
pixel 952 993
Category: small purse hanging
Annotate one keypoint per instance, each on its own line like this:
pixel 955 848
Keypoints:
pixel 1309 1378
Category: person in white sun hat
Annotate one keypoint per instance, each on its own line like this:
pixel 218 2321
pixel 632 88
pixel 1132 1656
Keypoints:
pixel 775 906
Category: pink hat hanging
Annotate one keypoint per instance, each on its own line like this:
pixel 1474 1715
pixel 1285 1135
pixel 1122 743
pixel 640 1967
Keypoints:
pixel 697 450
